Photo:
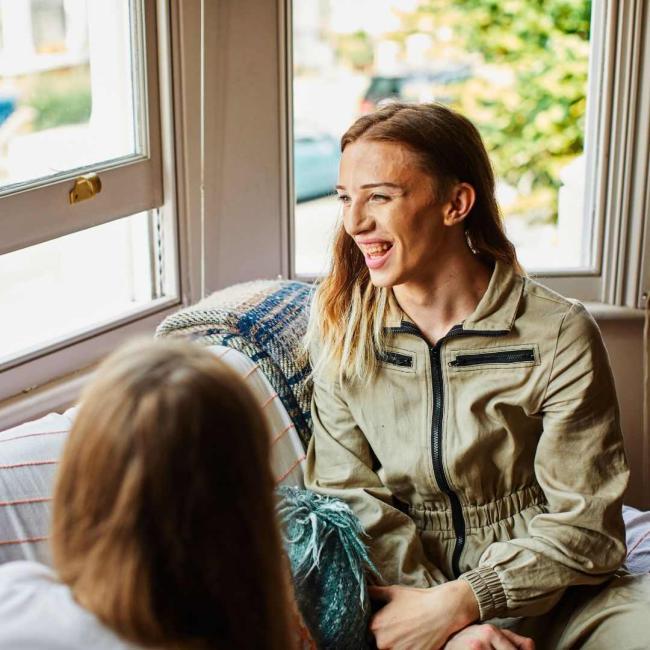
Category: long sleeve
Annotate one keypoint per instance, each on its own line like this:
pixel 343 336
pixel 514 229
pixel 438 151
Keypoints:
pixel 580 465
pixel 340 464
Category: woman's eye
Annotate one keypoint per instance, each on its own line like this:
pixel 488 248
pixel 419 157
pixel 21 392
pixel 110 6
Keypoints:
pixel 379 197
pixel 343 198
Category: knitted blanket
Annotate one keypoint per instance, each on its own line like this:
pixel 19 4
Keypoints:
pixel 265 320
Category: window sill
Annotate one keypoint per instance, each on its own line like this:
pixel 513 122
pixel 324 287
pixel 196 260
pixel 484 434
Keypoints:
pixel 601 311
pixel 57 396
pixel 66 369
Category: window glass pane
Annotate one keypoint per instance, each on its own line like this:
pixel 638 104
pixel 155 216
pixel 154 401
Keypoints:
pixel 61 287
pixel 518 69
pixel 69 86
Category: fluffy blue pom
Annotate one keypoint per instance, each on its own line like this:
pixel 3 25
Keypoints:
pixel 329 562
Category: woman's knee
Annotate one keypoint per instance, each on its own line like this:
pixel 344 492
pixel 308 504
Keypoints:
pixel 617 616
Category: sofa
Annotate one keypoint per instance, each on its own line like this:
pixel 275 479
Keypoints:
pixel 256 329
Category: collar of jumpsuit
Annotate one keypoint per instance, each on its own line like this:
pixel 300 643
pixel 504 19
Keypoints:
pixel 496 311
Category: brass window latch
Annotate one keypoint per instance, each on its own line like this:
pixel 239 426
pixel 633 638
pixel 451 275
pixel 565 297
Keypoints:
pixel 85 187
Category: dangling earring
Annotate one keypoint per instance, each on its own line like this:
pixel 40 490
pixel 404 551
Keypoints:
pixel 469 242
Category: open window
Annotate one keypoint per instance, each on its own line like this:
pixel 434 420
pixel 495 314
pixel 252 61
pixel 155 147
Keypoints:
pixel 554 90
pixel 88 241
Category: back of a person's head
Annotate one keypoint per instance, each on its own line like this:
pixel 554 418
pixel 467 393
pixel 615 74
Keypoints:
pixel 163 521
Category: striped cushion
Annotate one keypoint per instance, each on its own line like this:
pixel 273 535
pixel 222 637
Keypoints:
pixel 29 454
pixel 287 452
pixel 28 457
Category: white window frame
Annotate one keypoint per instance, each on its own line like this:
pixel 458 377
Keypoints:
pixel 224 187
pixel 617 130
pixel 626 249
pixel 49 378
pixel 617 163
pixel 129 185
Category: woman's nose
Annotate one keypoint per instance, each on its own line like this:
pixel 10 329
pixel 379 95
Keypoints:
pixel 357 218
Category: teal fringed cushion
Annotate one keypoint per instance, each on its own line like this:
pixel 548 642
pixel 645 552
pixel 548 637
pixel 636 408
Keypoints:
pixel 329 563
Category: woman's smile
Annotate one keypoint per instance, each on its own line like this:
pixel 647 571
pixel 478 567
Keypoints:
pixel 375 251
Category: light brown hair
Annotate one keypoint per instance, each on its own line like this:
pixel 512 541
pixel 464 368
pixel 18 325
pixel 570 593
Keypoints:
pixel 163 519
pixel 348 312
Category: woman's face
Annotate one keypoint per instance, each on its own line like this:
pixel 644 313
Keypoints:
pixel 390 211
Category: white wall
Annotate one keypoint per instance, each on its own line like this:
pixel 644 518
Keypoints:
pixel 244 118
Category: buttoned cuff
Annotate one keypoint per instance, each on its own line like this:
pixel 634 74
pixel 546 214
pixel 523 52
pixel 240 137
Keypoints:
pixel 487 588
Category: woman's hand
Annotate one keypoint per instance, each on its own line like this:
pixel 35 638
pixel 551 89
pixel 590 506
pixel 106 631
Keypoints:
pixel 488 637
pixel 422 619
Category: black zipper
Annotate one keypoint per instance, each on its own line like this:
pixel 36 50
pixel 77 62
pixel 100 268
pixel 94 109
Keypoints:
pixel 509 356
pixel 396 359
pixel 458 521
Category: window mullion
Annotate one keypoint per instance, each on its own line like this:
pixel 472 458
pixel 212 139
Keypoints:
pixel 600 82
pixel 624 214
pixel 639 244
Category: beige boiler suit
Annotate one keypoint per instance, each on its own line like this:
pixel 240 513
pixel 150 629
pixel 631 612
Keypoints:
pixel 494 456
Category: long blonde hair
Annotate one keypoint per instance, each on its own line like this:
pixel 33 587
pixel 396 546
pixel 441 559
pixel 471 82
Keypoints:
pixel 345 332
pixel 163 518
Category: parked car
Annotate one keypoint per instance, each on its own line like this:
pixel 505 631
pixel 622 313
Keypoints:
pixel 416 86
pixel 316 163
pixel 7 107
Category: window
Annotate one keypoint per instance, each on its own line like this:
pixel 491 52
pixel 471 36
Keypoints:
pixel 538 81
pixel 83 278
pixel 68 117
pixel 89 238
pixel 220 214
pixel 518 70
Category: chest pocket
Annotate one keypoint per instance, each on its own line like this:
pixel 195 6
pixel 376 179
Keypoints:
pixel 519 356
pixel 397 360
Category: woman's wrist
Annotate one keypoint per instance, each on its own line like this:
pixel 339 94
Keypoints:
pixel 466 605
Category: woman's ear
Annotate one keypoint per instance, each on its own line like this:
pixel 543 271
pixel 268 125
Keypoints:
pixel 460 202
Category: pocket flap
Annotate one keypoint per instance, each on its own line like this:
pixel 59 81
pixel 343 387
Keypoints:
pixel 399 360
pixel 506 357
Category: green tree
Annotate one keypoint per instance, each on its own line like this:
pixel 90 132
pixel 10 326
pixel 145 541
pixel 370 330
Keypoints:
pixel 528 96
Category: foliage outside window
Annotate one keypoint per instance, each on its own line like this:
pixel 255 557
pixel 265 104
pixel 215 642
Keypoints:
pixel 61 98
pixel 517 68
pixel 531 107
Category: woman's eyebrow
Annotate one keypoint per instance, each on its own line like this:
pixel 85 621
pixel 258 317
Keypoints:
pixel 371 185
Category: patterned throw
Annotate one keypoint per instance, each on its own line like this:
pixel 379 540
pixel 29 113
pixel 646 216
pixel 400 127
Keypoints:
pixel 329 562
pixel 265 320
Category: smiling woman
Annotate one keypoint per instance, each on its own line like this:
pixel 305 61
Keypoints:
pixel 466 413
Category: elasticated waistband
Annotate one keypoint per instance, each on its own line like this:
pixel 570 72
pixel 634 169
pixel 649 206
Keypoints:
pixel 478 516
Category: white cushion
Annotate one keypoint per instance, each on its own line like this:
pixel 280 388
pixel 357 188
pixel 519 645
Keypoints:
pixel 637 526
pixel 29 455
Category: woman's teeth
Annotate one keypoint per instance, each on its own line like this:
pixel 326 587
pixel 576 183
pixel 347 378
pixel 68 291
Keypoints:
pixel 376 249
